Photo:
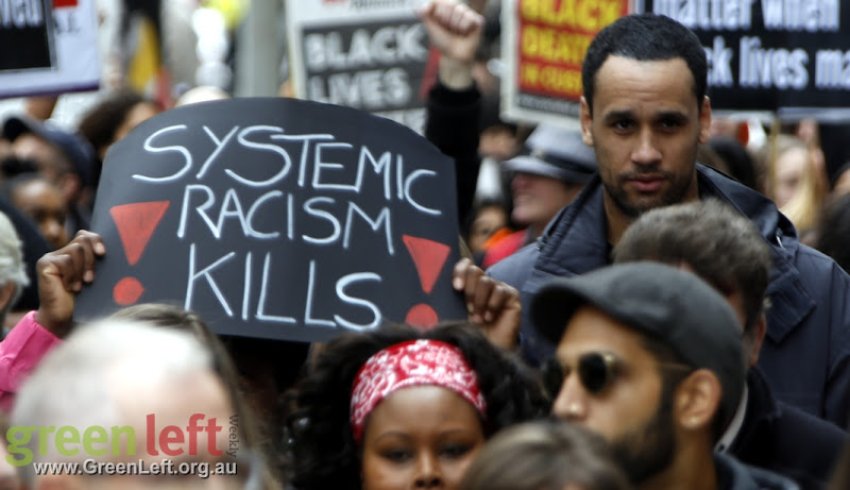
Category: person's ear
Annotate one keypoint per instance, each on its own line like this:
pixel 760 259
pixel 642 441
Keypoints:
pixel 586 119
pixel 705 120
pixel 697 400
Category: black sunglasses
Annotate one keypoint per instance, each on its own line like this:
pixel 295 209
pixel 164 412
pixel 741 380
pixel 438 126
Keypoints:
pixel 596 371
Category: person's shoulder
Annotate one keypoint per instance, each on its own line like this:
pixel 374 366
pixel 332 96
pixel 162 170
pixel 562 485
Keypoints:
pixel 812 432
pixel 734 475
pixel 515 269
pixel 820 272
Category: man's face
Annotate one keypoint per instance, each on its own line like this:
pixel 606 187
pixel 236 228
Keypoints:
pixel 51 163
pixel 630 410
pixel 43 203
pixel 537 199
pixel 645 127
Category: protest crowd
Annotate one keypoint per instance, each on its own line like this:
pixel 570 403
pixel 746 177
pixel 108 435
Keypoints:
pixel 654 297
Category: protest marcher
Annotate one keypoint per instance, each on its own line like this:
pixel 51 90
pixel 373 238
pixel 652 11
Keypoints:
pixel 545 455
pixel 106 381
pixel 543 180
pixel 489 218
pixel 252 433
pixel 41 201
pixel 795 183
pixel 724 249
pixel 399 408
pixel 650 357
pixel 645 111
pixel 63 158
pixel 63 272
pixel 454 102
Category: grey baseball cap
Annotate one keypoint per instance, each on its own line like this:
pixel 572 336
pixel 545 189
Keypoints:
pixel 556 153
pixel 673 306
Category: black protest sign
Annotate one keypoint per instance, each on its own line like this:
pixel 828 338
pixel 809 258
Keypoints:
pixel 26 28
pixel 278 218
pixel 770 54
pixel 376 66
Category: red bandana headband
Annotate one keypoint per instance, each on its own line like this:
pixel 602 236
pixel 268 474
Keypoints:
pixel 412 363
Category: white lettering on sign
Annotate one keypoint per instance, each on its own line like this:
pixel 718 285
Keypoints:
pixel 801 15
pixel 203 277
pixel 765 68
pixel 708 14
pixel 20 14
pixel 387 46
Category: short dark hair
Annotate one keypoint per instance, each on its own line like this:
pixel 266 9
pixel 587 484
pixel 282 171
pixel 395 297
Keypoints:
pixel 545 455
pixel 719 244
pixel 324 451
pixel 646 37
pixel 101 122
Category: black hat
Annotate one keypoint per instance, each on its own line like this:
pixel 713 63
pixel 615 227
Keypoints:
pixel 78 151
pixel 672 306
pixel 557 153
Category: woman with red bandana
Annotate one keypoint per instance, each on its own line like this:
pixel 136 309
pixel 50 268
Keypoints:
pixel 400 409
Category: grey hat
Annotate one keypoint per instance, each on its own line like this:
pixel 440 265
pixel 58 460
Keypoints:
pixel 670 305
pixel 557 153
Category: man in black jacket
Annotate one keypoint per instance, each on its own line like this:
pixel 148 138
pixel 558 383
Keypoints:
pixel 650 357
pixel 725 250
pixel 645 112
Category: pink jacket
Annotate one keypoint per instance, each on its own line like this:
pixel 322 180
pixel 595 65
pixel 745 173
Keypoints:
pixel 20 352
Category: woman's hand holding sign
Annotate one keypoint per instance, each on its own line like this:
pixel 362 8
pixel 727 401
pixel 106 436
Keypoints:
pixel 61 275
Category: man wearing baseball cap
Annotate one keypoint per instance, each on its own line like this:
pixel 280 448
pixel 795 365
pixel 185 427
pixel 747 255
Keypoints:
pixel 650 357
pixel 543 179
pixel 63 158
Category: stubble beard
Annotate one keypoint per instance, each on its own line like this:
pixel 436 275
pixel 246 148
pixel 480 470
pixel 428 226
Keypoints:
pixel 675 194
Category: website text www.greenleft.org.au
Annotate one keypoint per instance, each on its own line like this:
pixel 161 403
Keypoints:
pixel 165 467
pixel 198 436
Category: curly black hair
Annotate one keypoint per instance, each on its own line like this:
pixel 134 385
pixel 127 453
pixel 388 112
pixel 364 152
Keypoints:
pixel 324 452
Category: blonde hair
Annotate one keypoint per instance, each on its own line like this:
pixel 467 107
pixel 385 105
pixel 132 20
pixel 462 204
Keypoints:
pixel 804 207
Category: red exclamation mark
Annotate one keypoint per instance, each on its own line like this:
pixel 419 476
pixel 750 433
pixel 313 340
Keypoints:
pixel 136 223
pixel 429 257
